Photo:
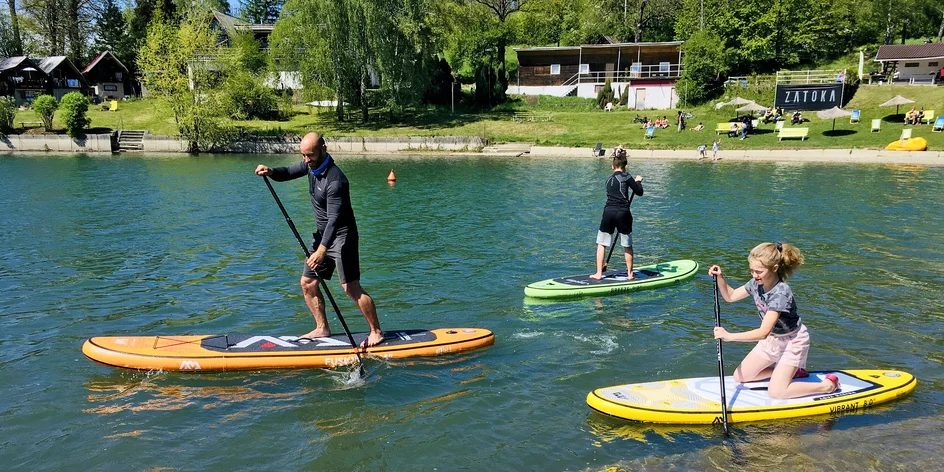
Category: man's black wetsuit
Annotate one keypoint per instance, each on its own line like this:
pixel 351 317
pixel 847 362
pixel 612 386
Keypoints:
pixel 616 214
pixel 334 217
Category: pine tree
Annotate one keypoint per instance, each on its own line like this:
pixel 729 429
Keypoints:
pixel 262 11
pixel 112 32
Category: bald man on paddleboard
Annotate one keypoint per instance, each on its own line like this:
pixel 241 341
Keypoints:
pixel 335 243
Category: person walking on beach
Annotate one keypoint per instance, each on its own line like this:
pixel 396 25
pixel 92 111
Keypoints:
pixel 714 151
pixel 616 215
pixel 784 342
pixel 335 243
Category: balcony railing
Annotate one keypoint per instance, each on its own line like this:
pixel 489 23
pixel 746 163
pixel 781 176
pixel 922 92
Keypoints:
pixel 654 71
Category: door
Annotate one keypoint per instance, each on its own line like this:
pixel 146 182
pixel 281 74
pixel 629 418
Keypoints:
pixel 610 67
pixel 641 99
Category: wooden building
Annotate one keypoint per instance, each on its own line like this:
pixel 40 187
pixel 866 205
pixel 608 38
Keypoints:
pixel 649 69
pixel 919 64
pixel 64 76
pixel 108 77
pixel 22 79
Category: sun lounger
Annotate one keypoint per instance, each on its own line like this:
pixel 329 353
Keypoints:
pixel 598 150
pixel 779 126
pixel 938 124
pixel 877 124
pixel 794 133
pixel 856 114
pixel 650 132
pixel 928 116
pixel 114 106
pixel 755 123
pixel 906 133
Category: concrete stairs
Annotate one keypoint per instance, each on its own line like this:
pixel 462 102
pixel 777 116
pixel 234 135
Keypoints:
pixel 131 140
pixel 508 149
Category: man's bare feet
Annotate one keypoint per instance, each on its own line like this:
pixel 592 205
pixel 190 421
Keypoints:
pixel 316 333
pixel 596 276
pixel 375 338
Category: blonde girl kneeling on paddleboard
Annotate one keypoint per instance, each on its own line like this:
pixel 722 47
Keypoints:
pixel 784 342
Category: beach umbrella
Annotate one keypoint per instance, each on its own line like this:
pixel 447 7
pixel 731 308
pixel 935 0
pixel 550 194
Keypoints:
pixel 895 102
pixel 832 114
pixel 752 107
pixel 739 101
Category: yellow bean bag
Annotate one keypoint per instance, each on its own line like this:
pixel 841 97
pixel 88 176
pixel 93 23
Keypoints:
pixel 911 144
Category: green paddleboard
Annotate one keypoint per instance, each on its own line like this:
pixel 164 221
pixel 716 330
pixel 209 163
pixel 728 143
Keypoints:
pixel 646 277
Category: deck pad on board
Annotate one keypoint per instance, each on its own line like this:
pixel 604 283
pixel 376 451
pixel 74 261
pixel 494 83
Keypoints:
pixel 698 400
pixel 645 277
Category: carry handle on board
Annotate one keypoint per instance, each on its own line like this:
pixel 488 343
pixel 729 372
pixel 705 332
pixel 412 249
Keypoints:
pixel 724 400
pixel 324 286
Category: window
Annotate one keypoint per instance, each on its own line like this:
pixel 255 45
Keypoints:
pixel 635 69
pixel 72 83
pixel 664 67
pixel 555 69
pixel 911 64
pixel 118 76
pixel 932 64
pixel 584 68
pixel 111 88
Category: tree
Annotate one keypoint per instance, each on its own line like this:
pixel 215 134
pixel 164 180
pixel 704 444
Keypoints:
pixel 15 42
pixel 7 114
pixel 342 44
pixel 179 65
pixel 45 106
pixel 112 32
pixel 262 11
pixel 705 59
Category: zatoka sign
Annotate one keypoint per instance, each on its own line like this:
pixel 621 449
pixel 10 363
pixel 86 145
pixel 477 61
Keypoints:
pixel 809 96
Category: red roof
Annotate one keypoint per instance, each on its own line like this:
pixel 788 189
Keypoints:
pixel 99 58
pixel 892 52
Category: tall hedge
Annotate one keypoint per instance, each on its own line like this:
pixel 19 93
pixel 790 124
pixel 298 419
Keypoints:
pixel 74 107
pixel 46 106
pixel 7 113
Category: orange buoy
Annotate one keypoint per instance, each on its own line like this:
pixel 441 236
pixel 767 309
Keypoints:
pixel 392 177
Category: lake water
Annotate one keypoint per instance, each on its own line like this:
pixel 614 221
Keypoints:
pixel 195 245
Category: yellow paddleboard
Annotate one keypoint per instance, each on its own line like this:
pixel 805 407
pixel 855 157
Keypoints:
pixel 698 400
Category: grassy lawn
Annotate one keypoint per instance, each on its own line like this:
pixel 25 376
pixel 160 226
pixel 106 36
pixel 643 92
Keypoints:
pixel 575 122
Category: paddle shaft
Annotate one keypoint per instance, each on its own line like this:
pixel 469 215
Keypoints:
pixel 324 286
pixel 724 400
pixel 613 243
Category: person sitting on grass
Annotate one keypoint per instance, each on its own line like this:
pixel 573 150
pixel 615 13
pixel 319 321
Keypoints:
pixel 797 118
pixel 665 122
pixel 919 117
pixel 910 116
pixel 733 132
pixel 699 127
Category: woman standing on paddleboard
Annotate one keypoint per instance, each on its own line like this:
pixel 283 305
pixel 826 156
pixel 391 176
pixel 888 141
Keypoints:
pixel 784 342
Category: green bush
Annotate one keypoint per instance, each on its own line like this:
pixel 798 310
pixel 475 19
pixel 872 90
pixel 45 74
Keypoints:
pixel 605 95
pixel 286 106
pixel 74 107
pixel 45 106
pixel 244 97
pixel 624 98
pixel 7 113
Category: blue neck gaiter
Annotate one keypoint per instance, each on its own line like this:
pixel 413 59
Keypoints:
pixel 324 166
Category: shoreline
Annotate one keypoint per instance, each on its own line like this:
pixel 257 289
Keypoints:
pixel 465 146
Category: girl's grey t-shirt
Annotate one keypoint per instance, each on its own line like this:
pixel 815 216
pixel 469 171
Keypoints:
pixel 779 299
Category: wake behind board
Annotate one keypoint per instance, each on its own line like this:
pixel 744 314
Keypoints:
pixel 241 352
pixel 646 277
pixel 698 400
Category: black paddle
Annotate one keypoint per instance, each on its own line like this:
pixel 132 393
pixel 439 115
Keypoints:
pixel 724 400
pixel 324 286
pixel 613 243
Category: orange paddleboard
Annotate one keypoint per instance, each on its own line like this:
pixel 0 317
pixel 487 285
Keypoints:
pixel 242 352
